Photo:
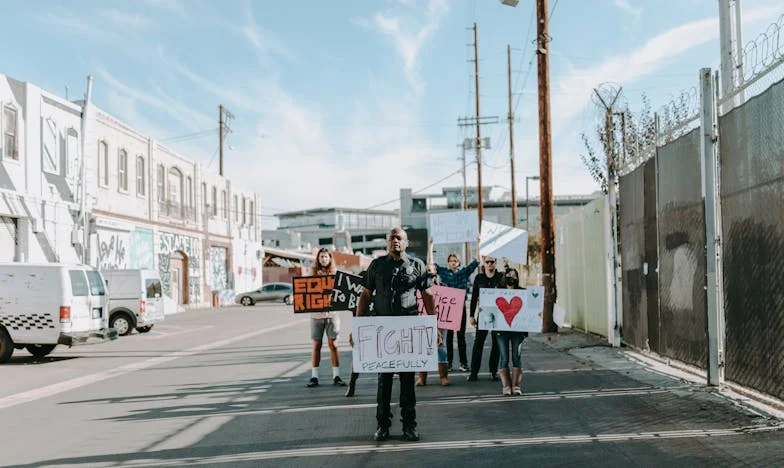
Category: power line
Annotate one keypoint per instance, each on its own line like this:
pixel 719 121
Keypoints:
pixel 419 190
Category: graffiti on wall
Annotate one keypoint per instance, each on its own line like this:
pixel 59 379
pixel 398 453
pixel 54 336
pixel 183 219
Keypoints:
pixel 112 249
pixel 142 249
pixel 218 268
pixel 169 243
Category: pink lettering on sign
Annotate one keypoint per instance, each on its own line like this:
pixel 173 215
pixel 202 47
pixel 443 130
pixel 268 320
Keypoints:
pixel 449 304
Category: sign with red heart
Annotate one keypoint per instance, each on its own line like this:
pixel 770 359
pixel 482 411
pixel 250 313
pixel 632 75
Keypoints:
pixel 511 309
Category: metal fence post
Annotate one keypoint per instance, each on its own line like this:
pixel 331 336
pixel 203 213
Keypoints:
pixel 708 159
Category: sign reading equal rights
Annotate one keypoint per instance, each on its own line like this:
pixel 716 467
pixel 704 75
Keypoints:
pixel 312 293
pixel 395 344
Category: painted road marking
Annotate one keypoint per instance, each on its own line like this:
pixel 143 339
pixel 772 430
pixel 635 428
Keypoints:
pixel 60 387
pixel 451 445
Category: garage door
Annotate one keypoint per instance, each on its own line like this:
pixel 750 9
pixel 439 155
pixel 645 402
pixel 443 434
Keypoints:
pixel 8 239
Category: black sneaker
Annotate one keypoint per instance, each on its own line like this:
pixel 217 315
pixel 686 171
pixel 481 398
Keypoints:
pixel 410 434
pixel 472 378
pixel 338 381
pixel 381 434
pixel 313 382
pixel 494 376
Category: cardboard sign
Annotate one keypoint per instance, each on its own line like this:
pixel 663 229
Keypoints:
pixel 500 241
pixel 312 293
pixel 346 291
pixel 511 309
pixel 449 303
pixel 453 227
pixel 395 344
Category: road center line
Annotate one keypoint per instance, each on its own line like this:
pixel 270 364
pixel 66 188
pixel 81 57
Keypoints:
pixel 60 387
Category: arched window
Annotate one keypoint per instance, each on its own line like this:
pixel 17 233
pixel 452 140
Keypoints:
pixel 103 163
pixel 122 170
pixel 141 176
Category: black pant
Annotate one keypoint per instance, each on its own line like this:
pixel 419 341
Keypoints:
pixel 461 343
pixel 476 356
pixel 407 400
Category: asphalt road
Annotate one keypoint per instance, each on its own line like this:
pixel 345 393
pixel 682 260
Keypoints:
pixel 227 388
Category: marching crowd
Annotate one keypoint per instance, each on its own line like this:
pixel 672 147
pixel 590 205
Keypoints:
pixel 391 283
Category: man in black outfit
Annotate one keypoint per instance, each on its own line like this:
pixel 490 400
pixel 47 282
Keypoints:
pixel 395 278
pixel 489 278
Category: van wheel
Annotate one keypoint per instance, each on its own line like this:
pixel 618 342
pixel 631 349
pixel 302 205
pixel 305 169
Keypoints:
pixel 6 346
pixel 121 323
pixel 40 350
pixel 144 329
pixel 246 301
pixel 288 300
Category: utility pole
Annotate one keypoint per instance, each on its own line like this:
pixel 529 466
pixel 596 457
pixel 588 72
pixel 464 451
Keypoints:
pixel 606 97
pixel 478 131
pixel 511 134
pixel 730 40
pixel 83 214
pixel 464 146
pixel 223 130
pixel 545 168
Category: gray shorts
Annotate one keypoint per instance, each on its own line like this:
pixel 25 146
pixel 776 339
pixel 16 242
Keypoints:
pixel 319 325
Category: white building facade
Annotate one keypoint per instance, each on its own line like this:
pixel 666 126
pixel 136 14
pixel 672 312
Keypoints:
pixel 146 205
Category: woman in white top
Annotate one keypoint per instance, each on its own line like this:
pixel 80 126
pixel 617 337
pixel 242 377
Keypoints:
pixel 324 322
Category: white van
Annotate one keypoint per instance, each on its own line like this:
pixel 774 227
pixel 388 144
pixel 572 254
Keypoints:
pixel 43 305
pixel 135 300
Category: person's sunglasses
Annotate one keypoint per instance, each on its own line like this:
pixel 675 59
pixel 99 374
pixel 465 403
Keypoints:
pixel 489 261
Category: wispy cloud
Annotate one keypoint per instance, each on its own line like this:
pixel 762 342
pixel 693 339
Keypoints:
pixel 409 43
pixel 174 6
pixel 627 7
pixel 161 101
pixel 263 42
pixel 126 19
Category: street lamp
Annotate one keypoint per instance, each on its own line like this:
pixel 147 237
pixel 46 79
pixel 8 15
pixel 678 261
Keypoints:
pixel 527 178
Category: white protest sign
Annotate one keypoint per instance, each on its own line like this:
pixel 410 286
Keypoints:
pixel 453 227
pixel 511 309
pixel 499 241
pixel 395 344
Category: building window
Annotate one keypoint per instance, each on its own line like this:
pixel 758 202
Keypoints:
pixel 251 213
pixel 141 177
pixel 103 163
pixel 160 184
pixel 214 201
pixel 236 209
pixel 10 133
pixel 244 212
pixel 175 192
pixel 189 192
pixel 122 170
pixel 205 204
pixel 224 202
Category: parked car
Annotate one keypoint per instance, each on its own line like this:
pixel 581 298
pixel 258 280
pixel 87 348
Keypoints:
pixel 135 300
pixel 43 305
pixel 268 292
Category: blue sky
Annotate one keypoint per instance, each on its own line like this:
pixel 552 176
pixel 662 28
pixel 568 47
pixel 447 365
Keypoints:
pixel 343 103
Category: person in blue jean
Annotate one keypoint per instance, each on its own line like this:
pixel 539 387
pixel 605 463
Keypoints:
pixel 513 339
pixel 455 276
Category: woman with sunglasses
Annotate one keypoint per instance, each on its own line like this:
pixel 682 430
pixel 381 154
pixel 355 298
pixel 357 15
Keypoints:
pixel 505 339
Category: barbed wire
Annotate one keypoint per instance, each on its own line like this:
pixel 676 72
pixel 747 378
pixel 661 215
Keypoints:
pixel 763 53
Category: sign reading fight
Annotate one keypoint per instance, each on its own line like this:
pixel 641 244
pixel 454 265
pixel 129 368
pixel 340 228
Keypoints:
pixel 511 309
pixel 312 293
pixel 449 306
pixel 453 227
pixel 395 344
pixel 346 291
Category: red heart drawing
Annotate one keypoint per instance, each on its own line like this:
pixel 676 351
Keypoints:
pixel 509 309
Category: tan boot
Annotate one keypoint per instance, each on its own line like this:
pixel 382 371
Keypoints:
pixel 421 379
pixel 517 378
pixel 506 382
pixel 443 372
